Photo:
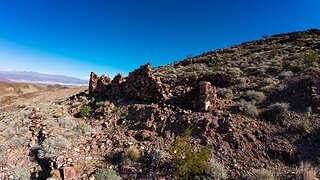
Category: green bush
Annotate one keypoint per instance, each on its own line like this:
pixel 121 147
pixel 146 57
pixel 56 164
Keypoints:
pixel 84 111
pixel 188 163
pixel 106 174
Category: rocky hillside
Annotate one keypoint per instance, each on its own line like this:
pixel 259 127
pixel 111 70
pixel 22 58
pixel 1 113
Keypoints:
pixel 249 111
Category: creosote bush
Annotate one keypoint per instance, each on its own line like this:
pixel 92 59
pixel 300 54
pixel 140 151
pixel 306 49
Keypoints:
pixel 106 174
pixel 84 111
pixel 187 162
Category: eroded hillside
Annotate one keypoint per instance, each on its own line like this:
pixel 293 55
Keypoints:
pixel 243 112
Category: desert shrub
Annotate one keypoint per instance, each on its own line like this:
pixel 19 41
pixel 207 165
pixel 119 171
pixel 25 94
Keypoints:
pixel 21 106
pixel 255 97
pixel 260 72
pixel 188 163
pixel 21 173
pixel 18 142
pixel 273 52
pixel 51 146
pixel 100 103
pixel 66 123
pixel 311 57
pixel 3 126
pixel 106 174
pixel 22 131
pixel 84 129
pixel 306 172
pixel 57 114
pixel 241 80
pixel 226 56
pixel 285 74
pixel 276 112
pixel 8 133
pixel 125 113
pixel 157 155
pixel 268 82
pixel 217 171
pixel 3 162
pixel 261 174
pixel 236 72
pixel 130 155
pixel 302 126
pixel 225 93
pixel 52 124
pixel 84 111
pixel 246 109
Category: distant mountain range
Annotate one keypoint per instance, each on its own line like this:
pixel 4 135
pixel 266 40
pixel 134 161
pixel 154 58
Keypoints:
pixel 40 78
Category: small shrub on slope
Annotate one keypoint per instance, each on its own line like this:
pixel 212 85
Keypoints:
pixel 188 163
pixel 106 174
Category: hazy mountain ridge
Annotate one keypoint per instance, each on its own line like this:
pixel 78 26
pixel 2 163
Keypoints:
pixel 39 78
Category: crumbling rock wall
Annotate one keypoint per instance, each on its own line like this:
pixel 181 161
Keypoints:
pixel 142 85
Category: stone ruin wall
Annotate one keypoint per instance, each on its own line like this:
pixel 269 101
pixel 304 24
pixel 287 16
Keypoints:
pixel 143 85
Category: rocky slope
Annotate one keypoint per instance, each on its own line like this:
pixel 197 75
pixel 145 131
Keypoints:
pixel 244 112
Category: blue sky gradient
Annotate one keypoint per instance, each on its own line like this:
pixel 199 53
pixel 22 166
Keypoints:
pixel 74 37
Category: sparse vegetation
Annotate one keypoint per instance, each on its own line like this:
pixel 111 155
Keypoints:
pixel 225 93
pixel 84 111
pixel 66 122
pixel 307 172
pixel 254 97
pixel 276 112
pixel 57 114
pixel 84 129
pixel 130 155
pixel 21 173
pixel 19 142
pixel 187 162
pixel 157 156
pixel 217 171
pixel 100 103
pixel 106 174
pixel 261 174
pixel 51 146
pixel 246 108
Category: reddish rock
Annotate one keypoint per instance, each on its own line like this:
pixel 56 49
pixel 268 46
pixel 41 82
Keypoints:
pixel 70 173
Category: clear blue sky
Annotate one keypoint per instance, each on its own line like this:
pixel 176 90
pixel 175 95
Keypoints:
pixel 74 37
